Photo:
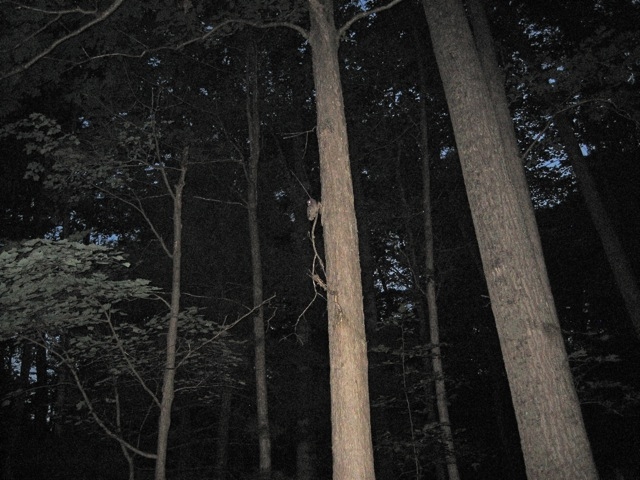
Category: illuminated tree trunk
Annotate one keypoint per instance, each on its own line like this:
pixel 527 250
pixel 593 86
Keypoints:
pixel 552 432
pixel 350 416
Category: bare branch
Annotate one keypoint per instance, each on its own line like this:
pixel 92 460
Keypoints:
pixel 361 15
pixel 99 18
pixel 67 362
pixel 126 356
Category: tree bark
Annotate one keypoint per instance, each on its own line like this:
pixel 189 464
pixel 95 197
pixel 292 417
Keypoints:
pixel 494 79
pixel 616 256
pixel 350 416
pixel 253 119
pixel 553 436
pixel 168 381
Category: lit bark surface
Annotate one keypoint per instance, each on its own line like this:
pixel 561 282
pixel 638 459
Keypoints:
pixel 553 437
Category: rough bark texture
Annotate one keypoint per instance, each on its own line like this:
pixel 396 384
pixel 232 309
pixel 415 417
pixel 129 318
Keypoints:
pixel 264 437
pixel 552 432
pixel 350 417
pixel 616 256
pixel 168 381
pixel 494 79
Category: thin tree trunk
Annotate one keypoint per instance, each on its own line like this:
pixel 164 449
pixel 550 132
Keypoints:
pixel 168 381
pixel 429 392
pixel 425 333
pixel 434 326
pixel 553 436
pixel 616 256
pixel 350 416
pixel 264 438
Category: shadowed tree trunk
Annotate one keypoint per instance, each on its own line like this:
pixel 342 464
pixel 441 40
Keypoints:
pixel 616 256
pixel 350 416
pixel 253 119
pixel 421 313
pixel 552 432
pixel 442 403
pixel 168 381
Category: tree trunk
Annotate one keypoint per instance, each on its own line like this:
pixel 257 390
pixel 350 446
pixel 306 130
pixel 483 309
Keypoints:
pixel 434 326
pixel 168 381
pixel 253 119
pixel 350 417
pixel 494 79
pixel 616 256
pixel 553 436
pixel 421 310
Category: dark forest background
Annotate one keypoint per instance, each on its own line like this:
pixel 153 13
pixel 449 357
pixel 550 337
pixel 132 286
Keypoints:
pixel 89 133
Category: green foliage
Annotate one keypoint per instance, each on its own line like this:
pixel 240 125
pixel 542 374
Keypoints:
pixel 56 285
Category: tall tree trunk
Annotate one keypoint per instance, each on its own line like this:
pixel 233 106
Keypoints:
pixel 553 436
pixel 494 79
pixel 425 333
pixel 350 416
pixel 253 119
pixel 421 310
pixel 434 326
pixel 168 381
pixel 616 256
